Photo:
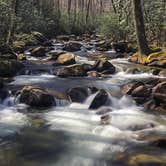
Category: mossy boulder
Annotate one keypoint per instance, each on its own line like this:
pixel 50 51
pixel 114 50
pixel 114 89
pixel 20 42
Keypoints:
pixel 9 68
pixel 19 46
pixel 153 59
pixel 138 58
pixel 66 59
pixel 28 39
pixel 76 70
pixel 33 39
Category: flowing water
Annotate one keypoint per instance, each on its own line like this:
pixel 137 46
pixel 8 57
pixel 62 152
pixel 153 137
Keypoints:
pixel 71 134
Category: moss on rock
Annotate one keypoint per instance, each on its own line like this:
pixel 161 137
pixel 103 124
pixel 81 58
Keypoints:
pixel 153 59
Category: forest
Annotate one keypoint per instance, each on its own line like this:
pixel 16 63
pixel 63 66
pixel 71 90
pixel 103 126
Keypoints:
pixel 82 82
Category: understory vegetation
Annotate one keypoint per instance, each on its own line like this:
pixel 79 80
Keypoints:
pixel 113 19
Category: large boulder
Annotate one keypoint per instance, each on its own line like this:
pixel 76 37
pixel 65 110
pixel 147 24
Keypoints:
pixel 101 99
pixel 104 65
pixel 66 59
pixel 10 68
pixel 76 70
pixel 38 51
pixel 36 97
pixel 72 46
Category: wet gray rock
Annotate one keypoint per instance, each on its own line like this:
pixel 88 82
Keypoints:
pixel 103 65
pixel 72 46
pixel 160 92
pixel 36 97
pixel 128 89
pixel 38 51
pixel 101 99
pixel 141 91
pixel 78 94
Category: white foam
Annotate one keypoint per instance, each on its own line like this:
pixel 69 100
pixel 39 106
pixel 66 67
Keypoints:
pixel 11 121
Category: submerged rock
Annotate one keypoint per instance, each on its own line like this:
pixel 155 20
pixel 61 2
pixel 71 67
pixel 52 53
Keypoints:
pixel 36 97
pixel 75 70
pixel 104 110
pixel 146 160
pixel 94 74
pixel 101 99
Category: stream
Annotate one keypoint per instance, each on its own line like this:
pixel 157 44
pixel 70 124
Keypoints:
pixel 72 135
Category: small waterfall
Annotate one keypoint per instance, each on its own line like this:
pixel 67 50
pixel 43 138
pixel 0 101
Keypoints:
pixel 8 102
pixel 62 103
pixel 10 119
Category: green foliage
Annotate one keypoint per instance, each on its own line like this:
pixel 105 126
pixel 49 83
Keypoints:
pixel 47 18
pixel 109 25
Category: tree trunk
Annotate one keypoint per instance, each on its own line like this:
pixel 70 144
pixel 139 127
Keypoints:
pixel 88 7
pixel 11 23
pixel 140 28
pixel 113 5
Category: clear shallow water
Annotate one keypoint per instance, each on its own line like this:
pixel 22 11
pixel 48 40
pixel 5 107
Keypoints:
pixel 72 135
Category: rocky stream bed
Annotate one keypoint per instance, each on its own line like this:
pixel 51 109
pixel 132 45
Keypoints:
pixel 76 104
